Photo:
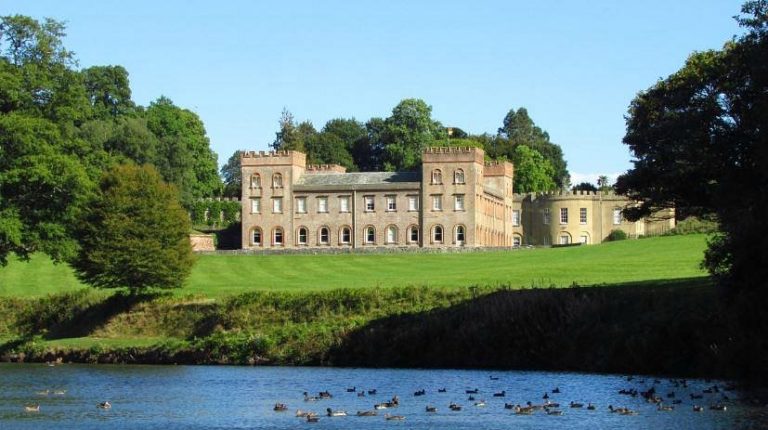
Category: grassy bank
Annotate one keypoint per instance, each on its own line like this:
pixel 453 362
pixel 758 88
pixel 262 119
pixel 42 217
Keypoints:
pixel 219 276
pixel 648 309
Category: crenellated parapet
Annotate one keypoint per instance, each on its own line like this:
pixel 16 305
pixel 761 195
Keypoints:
pixel 325 168
pixel 451 154
pixel 273 158
pixel 498 168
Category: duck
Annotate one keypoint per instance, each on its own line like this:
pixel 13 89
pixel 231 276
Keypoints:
pixel 576 405
pixel 697 408
pixel 366 413
pixel 480 404
pixel 545 396
pixel 312 418
pixel 523 410
pixel 372 392
pixel 556 390
pixel 104 405
pixel 59 392
pixel 389 417
pixel 32 408
pixel 280 407
pixel 302 414
pixel 502 393
pixel 494 378
pixel 308 398
pixel 591 407
pixel 325 394
pixel 351 390
pixel 475 391
pixel 454 407
pixel 332 413
pixel 431 409
pixel 43 392
pixel 509 406
pixel 441 390
pixel 717 407
pixel 664 408
pixel 471 398
pixel 420 392
pixel 554 412
pixel 361 394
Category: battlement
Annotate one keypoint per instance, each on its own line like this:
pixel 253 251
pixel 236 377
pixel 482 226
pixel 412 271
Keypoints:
pixel 326 168
pixel 273 158
pixel 498 168
pixel 452 154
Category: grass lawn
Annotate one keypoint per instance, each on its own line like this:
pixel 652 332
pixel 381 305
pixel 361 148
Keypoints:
pixel 214 276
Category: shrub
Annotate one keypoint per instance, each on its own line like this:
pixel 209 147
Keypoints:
pixel 617 235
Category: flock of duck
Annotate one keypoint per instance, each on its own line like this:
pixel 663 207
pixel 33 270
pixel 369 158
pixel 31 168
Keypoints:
pixel 35 407
pixel 677 390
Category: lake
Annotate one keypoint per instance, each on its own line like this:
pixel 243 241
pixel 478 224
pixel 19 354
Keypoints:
pixel 210 397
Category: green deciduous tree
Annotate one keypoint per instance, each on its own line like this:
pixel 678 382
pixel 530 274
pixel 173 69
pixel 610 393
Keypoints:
pixel 108 90
pixel 407 132
pixel 135 234
pixel 700 143
pixel 232 175
pixel 519 129
pixel 533 173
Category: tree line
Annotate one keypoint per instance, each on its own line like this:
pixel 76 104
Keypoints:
pixel 396 143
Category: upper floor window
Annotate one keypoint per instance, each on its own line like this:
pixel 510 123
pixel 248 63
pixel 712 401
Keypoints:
pixel 277 180
pixel 255 205
pixel 344 204
pixel 582 215
pixel 458 176
pixel 255 180
pixel 301 205
pixel 413 203
pixel 516 217
pixel 391 203
pixel 437 202
pixel 437 177
pixel 546 216
pixel 277 205
pixel 617 216
pixel 370 205
pixel 322 204
pixel 458 202
pixel 563 215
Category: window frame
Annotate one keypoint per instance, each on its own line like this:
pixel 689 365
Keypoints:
pixel 301 205
pixel 458 198
pixel 254 232
pixel 437 202
pixel 438 230
pixel 370 235
pixel 413 203
pixel 275 232
pixel 344 206
pixel 256 204
pixel 515 217
pixel 277 180
pixel 391 203
pixel 322 204
pixel 437 177
pixel 583 216
pixel 324 236
pixel 303 231
pixel 458 177
pixel 370 203
pixel 277 205
pixel 563 216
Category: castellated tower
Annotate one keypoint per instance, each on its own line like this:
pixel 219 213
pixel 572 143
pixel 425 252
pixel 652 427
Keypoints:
pixel 452 179
pixel 267 191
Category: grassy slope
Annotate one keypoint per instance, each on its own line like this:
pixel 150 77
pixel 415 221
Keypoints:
pixel 217 276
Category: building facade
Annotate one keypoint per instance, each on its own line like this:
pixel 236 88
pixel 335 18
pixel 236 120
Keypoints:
pixel 456 200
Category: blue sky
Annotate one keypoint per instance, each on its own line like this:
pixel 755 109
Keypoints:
pixel 574 65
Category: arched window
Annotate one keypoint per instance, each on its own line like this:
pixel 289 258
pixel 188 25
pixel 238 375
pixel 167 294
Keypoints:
pixel 302 236
pixel 277 180
pixel 413 234
pixel 517 240
pixel 256 237
pixel 458 176
pixel 370 234
pixel 437 176
pixel 437 234
pixel 345 236
pixel 325 236
pixel 391 234
pixel 460 234
pixel 255 180
pixel 277 236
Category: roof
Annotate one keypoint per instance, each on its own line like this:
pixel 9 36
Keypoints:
pixel 358 181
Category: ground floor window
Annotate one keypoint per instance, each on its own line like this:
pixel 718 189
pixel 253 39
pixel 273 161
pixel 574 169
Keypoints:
pixel 584 239
pixel 391 234
pixel 370 235
pixel 413 234
pixel 302 236
pixel 460 234
pixel 437 234
pixel 277 237
pixel 516 241
pixel 565 239
pixel 325 236
pixel 346 235
pixel 256 237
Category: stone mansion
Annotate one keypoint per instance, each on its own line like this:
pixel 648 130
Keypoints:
pixel 457 199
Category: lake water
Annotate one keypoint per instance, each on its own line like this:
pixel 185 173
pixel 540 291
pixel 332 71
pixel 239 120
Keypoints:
pixel 198 397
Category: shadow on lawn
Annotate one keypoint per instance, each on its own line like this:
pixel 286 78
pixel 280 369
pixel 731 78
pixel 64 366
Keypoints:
pixel 79 313
pixel 658 327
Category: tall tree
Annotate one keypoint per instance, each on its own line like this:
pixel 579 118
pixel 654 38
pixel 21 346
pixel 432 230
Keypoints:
pixel 700 143
pixel 232 175
pixel 519 129
pixel 108 90
pixel 407 132
pixel 533 172
pixel 184 157
pixel 134 234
